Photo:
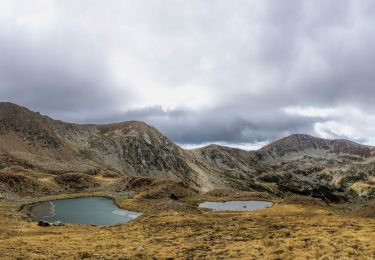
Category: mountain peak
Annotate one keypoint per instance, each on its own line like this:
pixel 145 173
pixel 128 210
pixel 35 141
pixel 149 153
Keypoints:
pixel 304 142
pixel 132 124
pixel 7 108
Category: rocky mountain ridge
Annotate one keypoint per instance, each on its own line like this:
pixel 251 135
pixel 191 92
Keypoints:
pixel 330 169
pixel 300 143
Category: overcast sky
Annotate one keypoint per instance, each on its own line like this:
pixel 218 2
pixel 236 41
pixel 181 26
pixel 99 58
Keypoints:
pixel 239 73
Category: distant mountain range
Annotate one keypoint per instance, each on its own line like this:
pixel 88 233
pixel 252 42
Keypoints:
pixel 330 169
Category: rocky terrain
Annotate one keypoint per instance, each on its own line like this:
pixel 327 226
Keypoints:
pixel 323 193
pixel 49 156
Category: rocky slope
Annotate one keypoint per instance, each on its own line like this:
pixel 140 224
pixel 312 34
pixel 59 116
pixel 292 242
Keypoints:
pixel 299 145
pixel 330 169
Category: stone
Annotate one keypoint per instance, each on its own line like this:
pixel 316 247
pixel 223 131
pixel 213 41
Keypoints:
pixel 173 196
pixel 58 223
pixel 42 223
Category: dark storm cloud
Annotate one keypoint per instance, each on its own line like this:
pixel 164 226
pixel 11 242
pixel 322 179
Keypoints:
pixel 63 75
pixel 222 124
pixel 236 72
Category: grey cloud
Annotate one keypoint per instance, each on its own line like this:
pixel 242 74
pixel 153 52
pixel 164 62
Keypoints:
pixel 222 124
pixel 63 75
pixel 253 58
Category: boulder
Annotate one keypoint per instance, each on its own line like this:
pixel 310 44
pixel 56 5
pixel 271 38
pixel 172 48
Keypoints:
pixel 58 223
pixel 42 223
pixel 173 196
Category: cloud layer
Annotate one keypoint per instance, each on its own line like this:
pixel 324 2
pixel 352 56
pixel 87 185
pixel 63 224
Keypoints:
pixel 242 72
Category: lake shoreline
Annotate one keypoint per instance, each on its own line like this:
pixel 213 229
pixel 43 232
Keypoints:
pixel 98 210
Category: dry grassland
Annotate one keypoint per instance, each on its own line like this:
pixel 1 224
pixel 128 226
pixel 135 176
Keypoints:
pixel 285 231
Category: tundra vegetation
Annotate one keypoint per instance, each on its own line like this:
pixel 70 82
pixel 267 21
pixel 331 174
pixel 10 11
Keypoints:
pixel 323 193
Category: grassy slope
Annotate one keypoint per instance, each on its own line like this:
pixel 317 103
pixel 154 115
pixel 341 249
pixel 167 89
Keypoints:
pixel 284 231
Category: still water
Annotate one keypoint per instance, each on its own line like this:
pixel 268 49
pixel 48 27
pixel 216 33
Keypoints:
pixel 236 205
pixel 91 211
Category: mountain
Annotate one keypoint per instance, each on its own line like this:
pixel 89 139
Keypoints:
pixel 300 143
pixel 129 148
pixel 303 164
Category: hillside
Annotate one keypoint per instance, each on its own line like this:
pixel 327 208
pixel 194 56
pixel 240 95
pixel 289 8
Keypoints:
pixel 304 144
pixel 300 164
pixel 31 140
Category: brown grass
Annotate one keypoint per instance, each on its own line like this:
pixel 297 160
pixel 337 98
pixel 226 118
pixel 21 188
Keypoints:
pixel 76 181
pixel 285 231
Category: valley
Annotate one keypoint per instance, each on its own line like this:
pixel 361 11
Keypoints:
pixel 322 192
pixel 297 227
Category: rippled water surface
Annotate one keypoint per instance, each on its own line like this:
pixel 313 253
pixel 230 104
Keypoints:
pixel 91 211
pixel 248 205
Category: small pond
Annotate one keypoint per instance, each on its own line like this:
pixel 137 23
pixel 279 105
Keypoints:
pixel 236 205
pixel 90 211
